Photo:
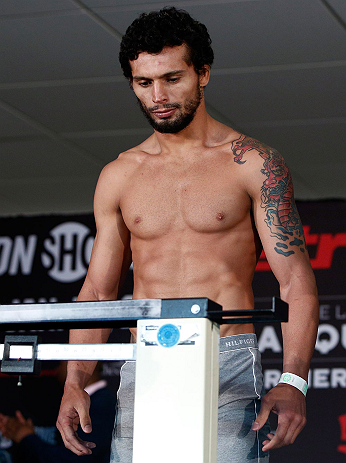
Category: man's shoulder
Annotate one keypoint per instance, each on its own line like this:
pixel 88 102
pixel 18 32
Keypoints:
pixel 249 151
pixel 241 146
pixel 133 156
pixel 125 161
pixel 117 172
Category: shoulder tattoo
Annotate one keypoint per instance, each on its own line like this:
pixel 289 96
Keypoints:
pixel 277 198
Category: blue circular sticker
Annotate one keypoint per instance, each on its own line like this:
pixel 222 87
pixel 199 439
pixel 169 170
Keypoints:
pixel 168 335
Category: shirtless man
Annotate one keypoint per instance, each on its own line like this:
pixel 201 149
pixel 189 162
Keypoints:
pixel 192 206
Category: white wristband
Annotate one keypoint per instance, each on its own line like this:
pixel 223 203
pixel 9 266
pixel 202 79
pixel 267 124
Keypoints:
pixel 294 380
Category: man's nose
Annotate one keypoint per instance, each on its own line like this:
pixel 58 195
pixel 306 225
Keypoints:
pixel 159 93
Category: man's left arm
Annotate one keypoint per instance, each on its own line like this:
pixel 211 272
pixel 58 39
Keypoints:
pixel 299 336
pixel 281 233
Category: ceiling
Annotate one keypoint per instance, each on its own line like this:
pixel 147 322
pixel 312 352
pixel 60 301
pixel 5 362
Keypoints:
pixel 65 109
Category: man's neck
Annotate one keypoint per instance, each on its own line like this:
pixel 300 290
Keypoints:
pixel 196 134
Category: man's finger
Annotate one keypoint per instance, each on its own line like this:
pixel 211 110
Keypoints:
pixel 288 429
pixel 3 419
pixel 20 417
pixel 76 445
pixel 274 442
pixel 297 423
pixel 71 439
pixel 262 417
pixel 84 421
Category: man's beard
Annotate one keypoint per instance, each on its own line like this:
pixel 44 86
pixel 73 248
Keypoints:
pixel 181 121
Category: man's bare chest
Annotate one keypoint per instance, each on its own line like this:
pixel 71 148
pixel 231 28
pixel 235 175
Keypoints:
pixel 207 198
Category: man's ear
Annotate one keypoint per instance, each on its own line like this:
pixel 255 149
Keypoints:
pixel 204 75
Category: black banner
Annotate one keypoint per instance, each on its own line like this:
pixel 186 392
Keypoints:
pixel 324 438
pixel 45 259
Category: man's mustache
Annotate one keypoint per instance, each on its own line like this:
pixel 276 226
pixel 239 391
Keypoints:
pixel 164 106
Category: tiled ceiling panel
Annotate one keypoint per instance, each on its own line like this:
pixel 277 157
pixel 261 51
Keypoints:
pixel 75 108
pixel 36 197
pixel 108 148
pixel 65 109
pixel 339 7
pixel 25 7
pixel 261 33
pixel 311 93
pixel 11 126
pixel 41 159
pixel 52 47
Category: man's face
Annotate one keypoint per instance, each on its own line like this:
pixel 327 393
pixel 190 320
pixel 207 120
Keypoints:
pixel 167 88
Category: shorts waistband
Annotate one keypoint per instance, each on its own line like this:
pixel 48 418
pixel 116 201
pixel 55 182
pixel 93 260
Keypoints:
pixel 238 341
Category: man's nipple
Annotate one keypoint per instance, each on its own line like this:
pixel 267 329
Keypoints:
pixel 138 219
pixel 220 216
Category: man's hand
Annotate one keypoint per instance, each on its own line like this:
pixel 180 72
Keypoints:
pixel 74 410
pixel 289 404
pixel 16 428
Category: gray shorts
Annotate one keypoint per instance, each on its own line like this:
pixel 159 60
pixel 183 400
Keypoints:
pixel 240 391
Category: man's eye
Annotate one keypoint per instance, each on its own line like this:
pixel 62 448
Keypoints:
pixel 172 80
pixel 143 84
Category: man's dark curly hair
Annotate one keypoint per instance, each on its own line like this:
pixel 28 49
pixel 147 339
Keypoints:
pixel 153 31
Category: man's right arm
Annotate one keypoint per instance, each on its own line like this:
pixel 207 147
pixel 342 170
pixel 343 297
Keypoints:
pixel 110 259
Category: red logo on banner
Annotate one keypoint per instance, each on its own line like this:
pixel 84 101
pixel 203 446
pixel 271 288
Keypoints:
pixel 342 421
pixel 326 244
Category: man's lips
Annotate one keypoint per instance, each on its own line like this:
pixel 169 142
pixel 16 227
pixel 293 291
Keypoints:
pixel 163 113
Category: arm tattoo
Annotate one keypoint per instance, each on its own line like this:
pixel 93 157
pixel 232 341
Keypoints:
pixel 277 200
